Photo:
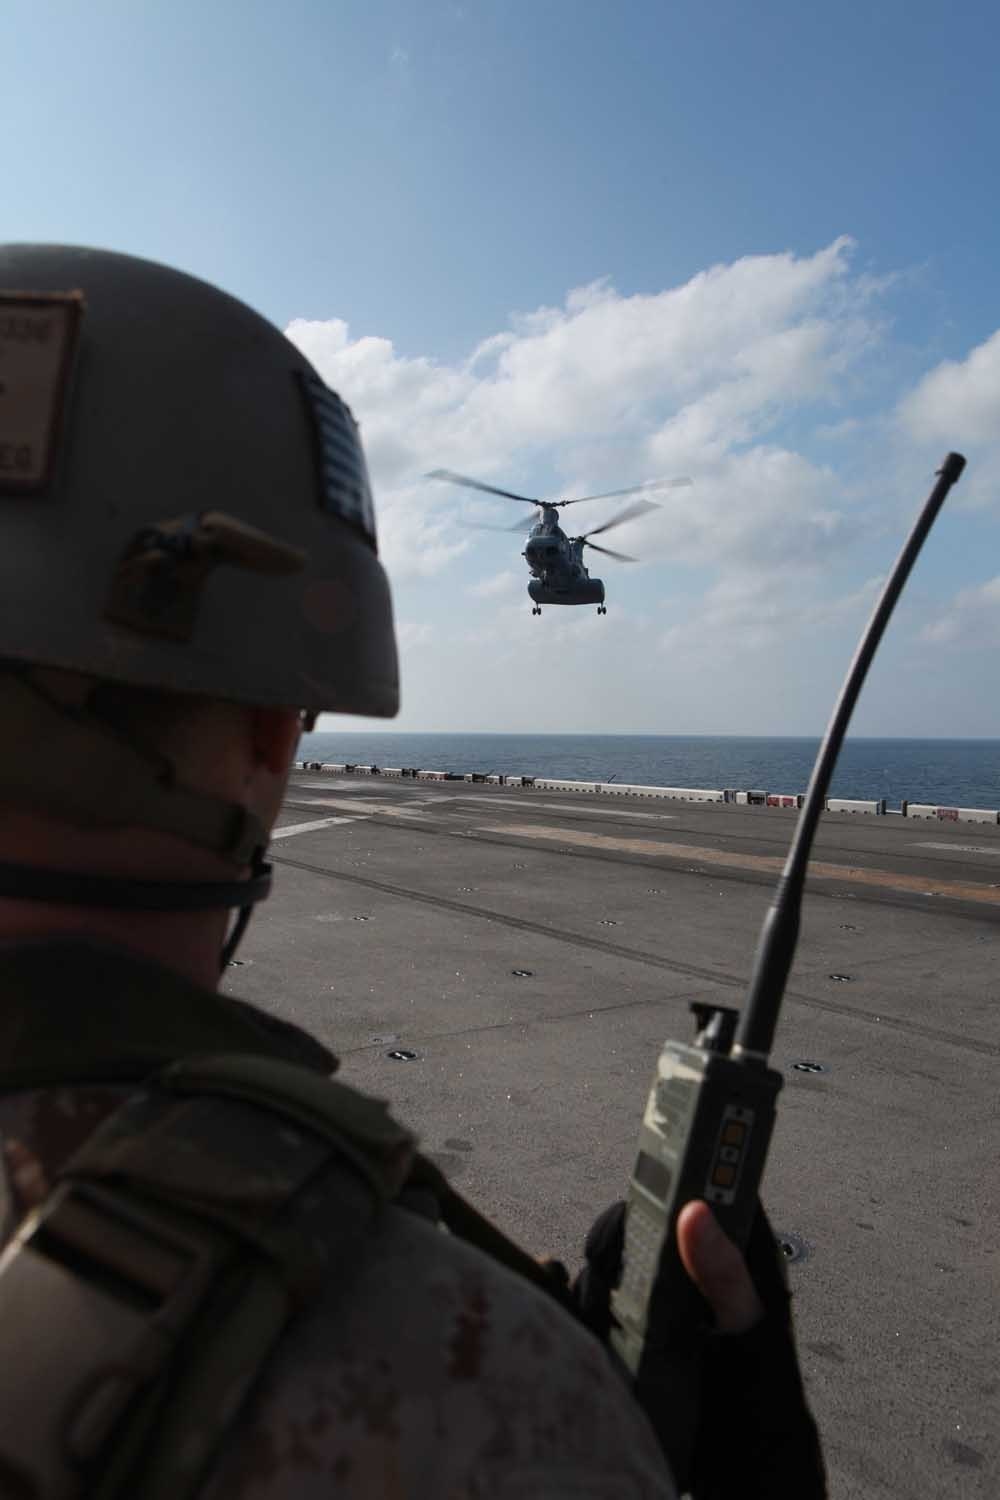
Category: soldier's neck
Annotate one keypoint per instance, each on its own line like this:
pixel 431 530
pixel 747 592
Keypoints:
pixel 188 942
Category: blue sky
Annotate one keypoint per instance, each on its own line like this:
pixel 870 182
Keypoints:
pixel 402 183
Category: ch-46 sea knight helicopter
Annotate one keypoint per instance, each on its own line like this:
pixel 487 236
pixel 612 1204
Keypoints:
pixel 555 559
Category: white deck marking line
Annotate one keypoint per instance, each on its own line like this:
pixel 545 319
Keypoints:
pixel 962 848
pixel 818 869
pixel 361 790
pixel 367 809
pixel 580 809
pixel 337 783
pixel 292 828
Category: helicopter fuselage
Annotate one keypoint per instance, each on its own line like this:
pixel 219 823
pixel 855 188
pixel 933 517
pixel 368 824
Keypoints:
pixel 556 562
pixel 558 574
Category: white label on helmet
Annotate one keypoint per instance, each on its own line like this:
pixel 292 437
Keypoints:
pixel 346 492
pixel 37 335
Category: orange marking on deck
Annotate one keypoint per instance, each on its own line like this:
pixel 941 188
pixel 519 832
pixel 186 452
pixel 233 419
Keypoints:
pixel 923 885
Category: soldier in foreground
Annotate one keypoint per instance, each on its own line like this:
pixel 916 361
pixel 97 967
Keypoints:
pixel 224 1273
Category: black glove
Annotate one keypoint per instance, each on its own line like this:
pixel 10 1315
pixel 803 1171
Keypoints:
pixel 604 1249
pixel 755 1437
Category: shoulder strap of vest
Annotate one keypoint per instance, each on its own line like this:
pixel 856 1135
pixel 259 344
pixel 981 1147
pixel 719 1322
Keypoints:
pixel 139 1303
pixel 467 1223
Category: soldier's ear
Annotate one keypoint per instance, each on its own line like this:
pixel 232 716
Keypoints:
pixel 275 736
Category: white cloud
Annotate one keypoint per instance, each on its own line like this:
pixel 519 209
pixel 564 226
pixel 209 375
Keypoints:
pixel 744 615
pixel 497 585
pixel 416 542
pixel 972 618
pixel 410 633
pixel 753 378
pixel 957 406
pixel 681 381
pixel 761 510
pixel 959 401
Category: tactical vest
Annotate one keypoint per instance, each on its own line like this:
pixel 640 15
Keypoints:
pixel 139 1303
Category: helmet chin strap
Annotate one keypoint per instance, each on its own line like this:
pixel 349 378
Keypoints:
pixel 21 882
pixel 239 927
pixel 62 760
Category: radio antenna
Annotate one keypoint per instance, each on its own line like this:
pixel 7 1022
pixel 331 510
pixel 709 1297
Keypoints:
pixel 780 931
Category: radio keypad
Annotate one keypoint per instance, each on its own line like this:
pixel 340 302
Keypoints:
pixel 724 1172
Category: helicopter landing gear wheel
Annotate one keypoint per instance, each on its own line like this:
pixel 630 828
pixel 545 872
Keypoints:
pixel 537 609
pixel 602 609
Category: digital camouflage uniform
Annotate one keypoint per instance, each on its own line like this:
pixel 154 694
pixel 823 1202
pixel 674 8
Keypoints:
pixel 426 1371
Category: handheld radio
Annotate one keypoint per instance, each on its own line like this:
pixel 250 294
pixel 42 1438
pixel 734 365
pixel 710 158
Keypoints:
pixel 711 1107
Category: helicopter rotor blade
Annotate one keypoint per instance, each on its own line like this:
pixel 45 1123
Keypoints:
pixel 451 477
pixel 634 489
pixel 621 556
pixel 639 508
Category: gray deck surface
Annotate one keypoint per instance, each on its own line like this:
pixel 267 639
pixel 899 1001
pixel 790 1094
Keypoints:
pixel 400 925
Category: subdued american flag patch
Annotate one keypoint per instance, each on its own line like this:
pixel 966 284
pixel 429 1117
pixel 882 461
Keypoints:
pixel 346 491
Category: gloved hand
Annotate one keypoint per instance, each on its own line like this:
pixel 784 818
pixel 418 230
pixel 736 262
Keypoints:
pixel 710 1258
pixel 755 1436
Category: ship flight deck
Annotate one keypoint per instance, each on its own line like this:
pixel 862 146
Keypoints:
pixel 504 964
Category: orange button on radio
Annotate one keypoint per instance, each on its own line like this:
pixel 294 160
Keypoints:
pixel 724 1176
pixel 734 1133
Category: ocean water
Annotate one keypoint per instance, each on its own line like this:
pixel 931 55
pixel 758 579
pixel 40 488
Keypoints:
pixel 962 773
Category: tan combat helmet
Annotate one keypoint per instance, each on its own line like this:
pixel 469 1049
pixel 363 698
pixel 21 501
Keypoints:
pixel 183 503
pixel 184 506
